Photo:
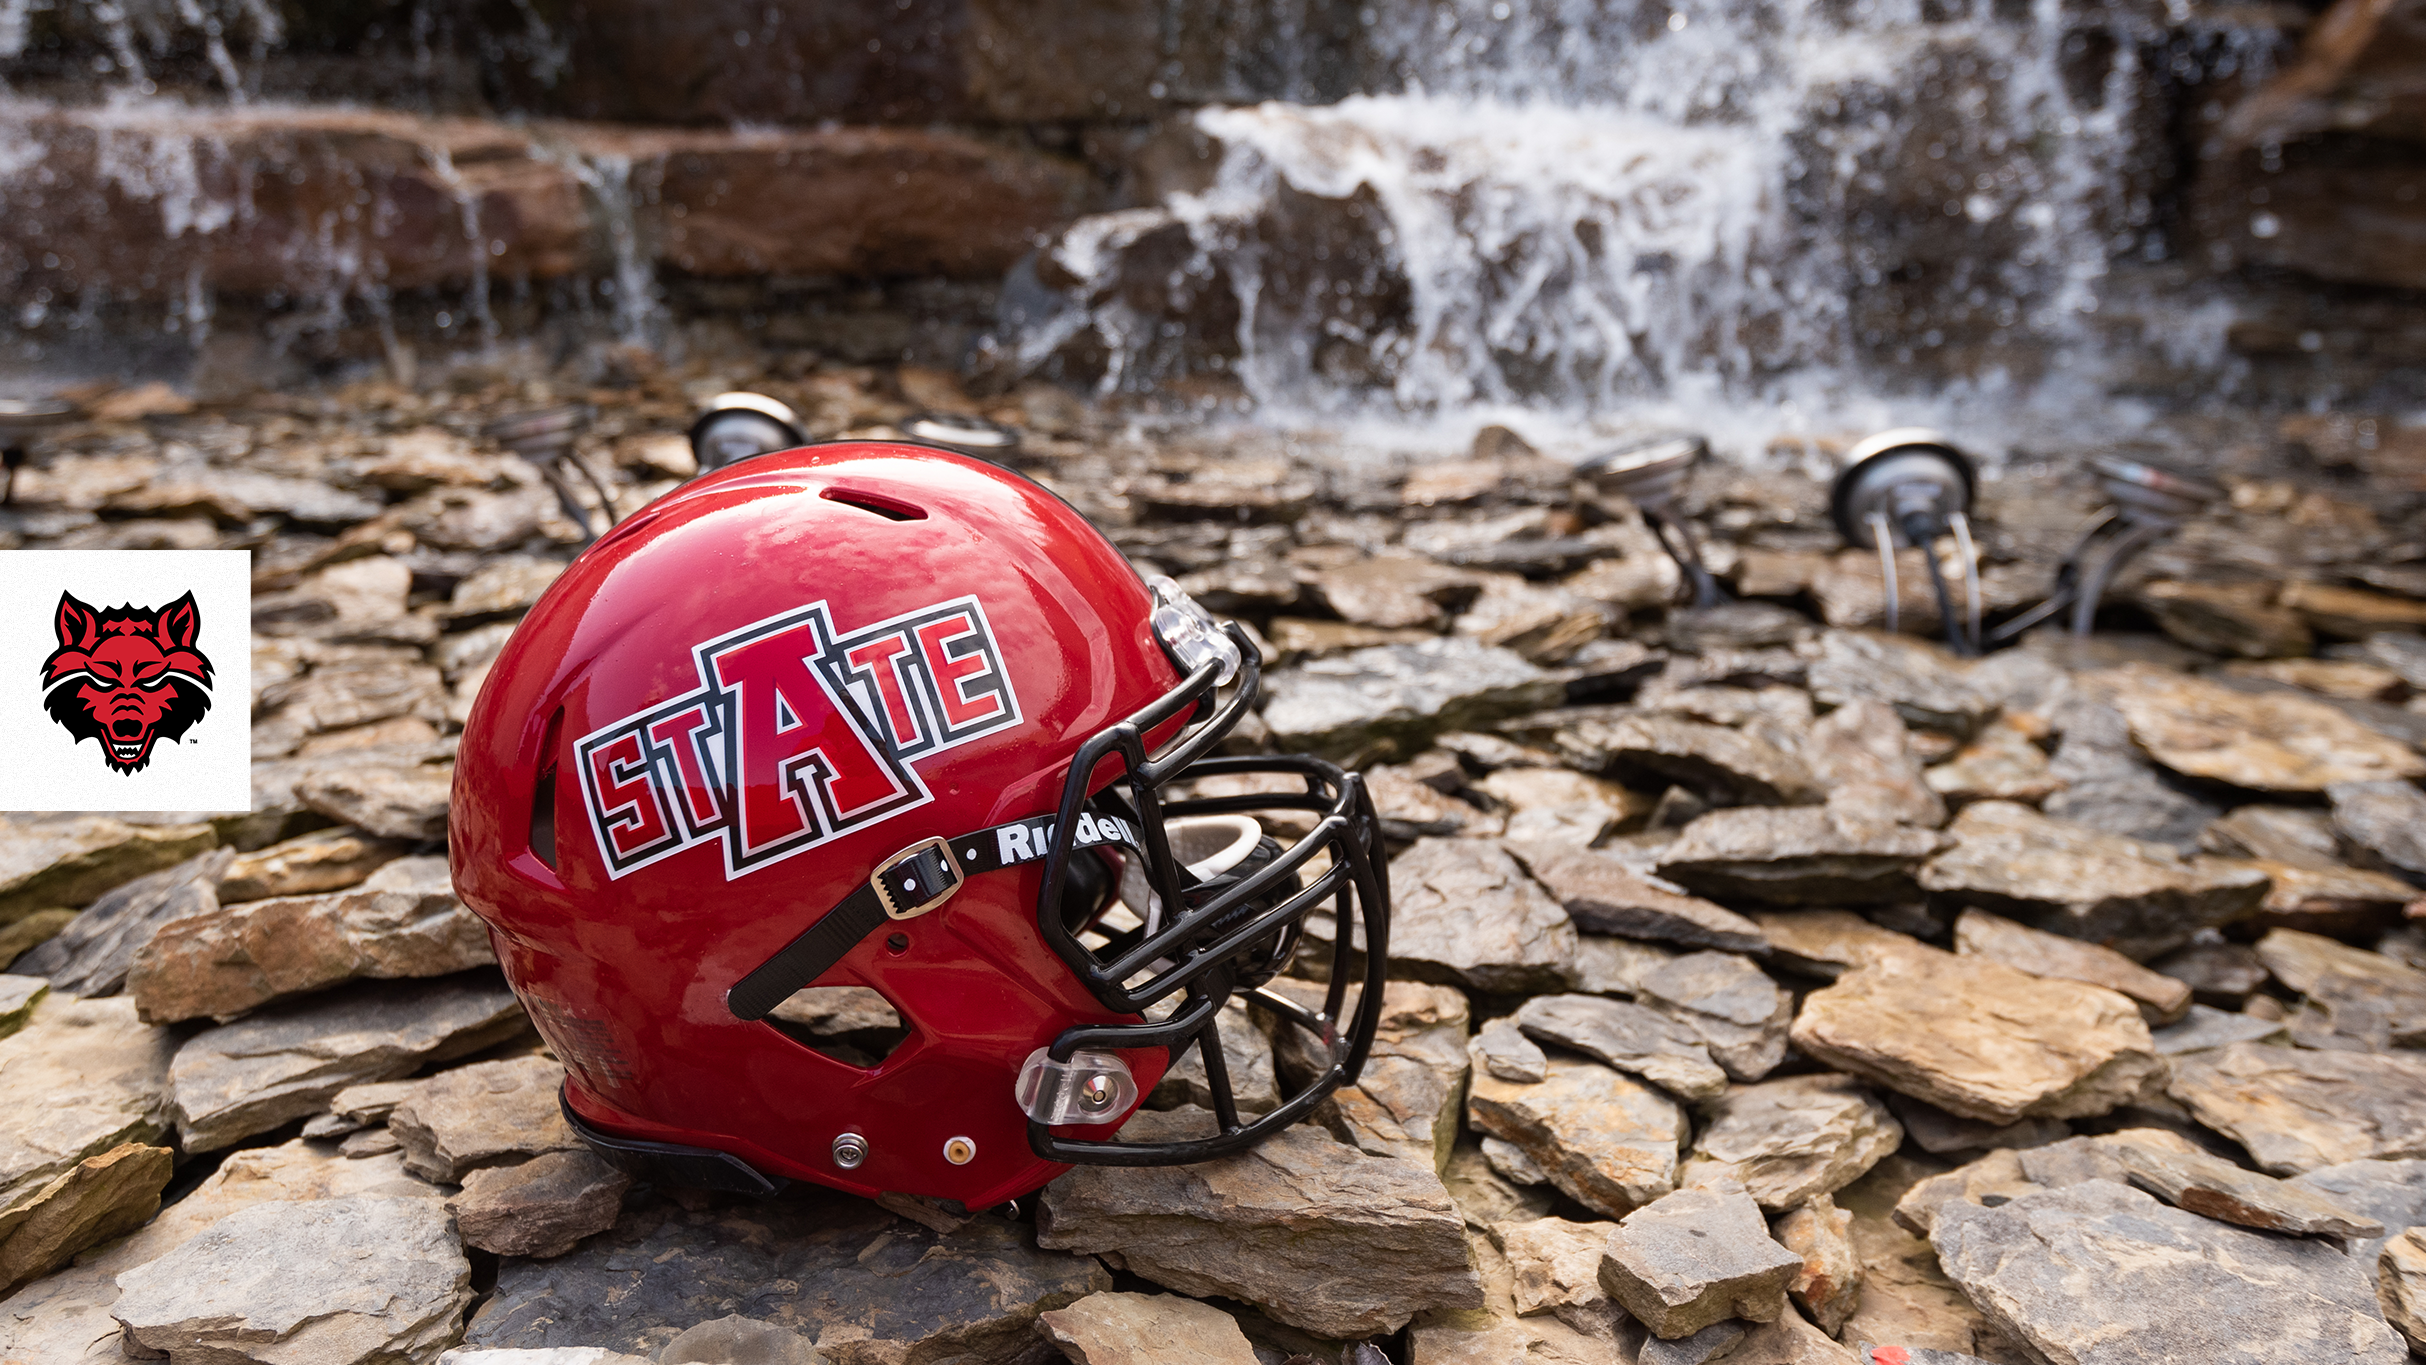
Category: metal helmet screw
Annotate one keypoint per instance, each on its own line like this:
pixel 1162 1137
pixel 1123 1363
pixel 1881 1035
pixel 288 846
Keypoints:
pixel 1096 1092
pixel 849 1150
pixel 960 1151
pixel 1906 488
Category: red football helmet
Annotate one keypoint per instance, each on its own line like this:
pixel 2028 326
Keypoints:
pixel 887 717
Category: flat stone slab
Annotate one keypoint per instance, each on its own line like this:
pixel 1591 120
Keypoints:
pixel 83 1077
pixel 481 1115
pixel 70 860
pixel 287 1062
pixel 2386 821
pixel 1463 912
pixel 221 963
pixel 1632 1038
pixel 2392 1193
pixel 321 861
pixel 1502 1049
pixel 1791 1140
pixel 2162 999
pixel 2400 1286
pixel 1605 896
pixel 1391 699
pixel 2357 1000
pixel 1407 1101
pixel 1723 766
pixel 2296 1110
pixel 1556 1263
pixel 1272 1226
pixel 101 1197
pixel 2210 1185
pixel 337 1280
pixel 864 1285
pixel 1981 1040
pixel 2170 1286
pixel 92 955
pixel 2006 1174
pixel 1829 1285
pixel 1829 943
pixel 1140 1329
pixel 2264 741
pixel 1740 1013
pixel 1697 1257
pixel 1863 755
pixel 2204 1029
pixel 542 1207
pixel 1607 1141
pixel 1815 855
pixel 2137 897
pixel 1930 688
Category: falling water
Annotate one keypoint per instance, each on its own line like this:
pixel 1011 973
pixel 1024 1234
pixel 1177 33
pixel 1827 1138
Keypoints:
pixel 1582 211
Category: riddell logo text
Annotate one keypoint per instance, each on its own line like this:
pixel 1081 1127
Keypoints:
pixel 128 677
pixel 795 734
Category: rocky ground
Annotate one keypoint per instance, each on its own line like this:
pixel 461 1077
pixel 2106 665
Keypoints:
pixel 1767 988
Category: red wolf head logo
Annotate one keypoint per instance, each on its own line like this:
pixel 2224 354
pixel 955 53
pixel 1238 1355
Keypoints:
pixel 127 677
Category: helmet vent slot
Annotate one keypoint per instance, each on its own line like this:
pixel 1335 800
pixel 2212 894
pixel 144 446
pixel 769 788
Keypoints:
pixel 543 793
pixel 854 1025
pixel 891 509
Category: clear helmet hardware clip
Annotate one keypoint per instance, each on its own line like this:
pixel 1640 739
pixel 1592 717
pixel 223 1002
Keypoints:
pixel 1910 488
pixel 1651 474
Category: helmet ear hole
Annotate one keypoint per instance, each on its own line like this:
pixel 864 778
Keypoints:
pixel 854 1025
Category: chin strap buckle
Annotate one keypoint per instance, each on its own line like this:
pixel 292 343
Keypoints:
pixel 917 879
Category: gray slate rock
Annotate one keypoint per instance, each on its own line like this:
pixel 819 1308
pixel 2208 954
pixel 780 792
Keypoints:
pixel 2296 1110
pixel 1391 699
pixel 1805 855
pixel 92 954
pixel 1791 1140
pixel 1406 1101
pixel 2390 1192
pixel 1604 1140
pixel 2171 1286
pixel 1605 896
pixel 1928 687
pixel 542 1207
pixel 1272 1226
pixel 288 1061
pixel 55 860
pixel 2162 999
pixel 1698 1257
pixel 1829 1285
pixel 2108 783
pixel 1863 755
pixel 1463 912
pixel 2210 1185
pixel 1937 1132
pixel 395 800
pixel 1502 1049
pixel 1140 1329
pixel 1245 1051
pixel 2400 1286
pixel 864 1286
pixel 355 1281
pixel 1633 1038
pixel 2204 1030
pixel 1739 1012
pixel 2357 1000
pixel 83 1077
pixel 485 1114
pixel 1724 766
pixel 2218 974
pixel 1703 1346
pixel 736 1340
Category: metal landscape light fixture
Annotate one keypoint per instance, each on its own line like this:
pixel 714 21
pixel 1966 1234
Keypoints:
pixel 22 421
pixel 737 425
pixel 545 437
pixel 987 440
pixel 1910 487
pixel 1651 473
pixel 2148 503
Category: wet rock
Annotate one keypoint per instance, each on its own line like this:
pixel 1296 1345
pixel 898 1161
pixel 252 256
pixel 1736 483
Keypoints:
pixel 18 996
pixel 69 860
pixel 1502 1049
pixel 1829 1284
pixel 1555 807
pixel 2136 897
pixel 398 801
pixel 23 936
pixel 1136 1329
pixel 1724 766
pixel 83 1077
pixel 2212 1186
pixel 285 1063
pixel 2218 974
pixel 1406 1103
pixel 1394 698
pixel 1935 1131
pixel 2296 1110
pixel 336 1280
pixel 2270 741
pixel 324 860
pixel 481 1115
pixel 1928 687
pixel 1607 1142
pixel 2173 1285
pixel 2002 763
pixel 101 1197
pixel 1863 755
pixel 1791 1140
pixel 1603 895
pixel 1980 1039
pixel 1630 1037
pixel 1740 1014
pixel 1272 1226
pixel 2400 1286
pixel 65 1316
pixel 1254 1084
pixel 2356 999
pixel 1697 1257
pixel 2385 822
pixel 1463 911
pixel 2162 999
pixel 225 961
pixel 92 955
pixel 1556 1263
pixel 1815 855
pixel 1828 943
pixel 2205 1029
pixel 540 1208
